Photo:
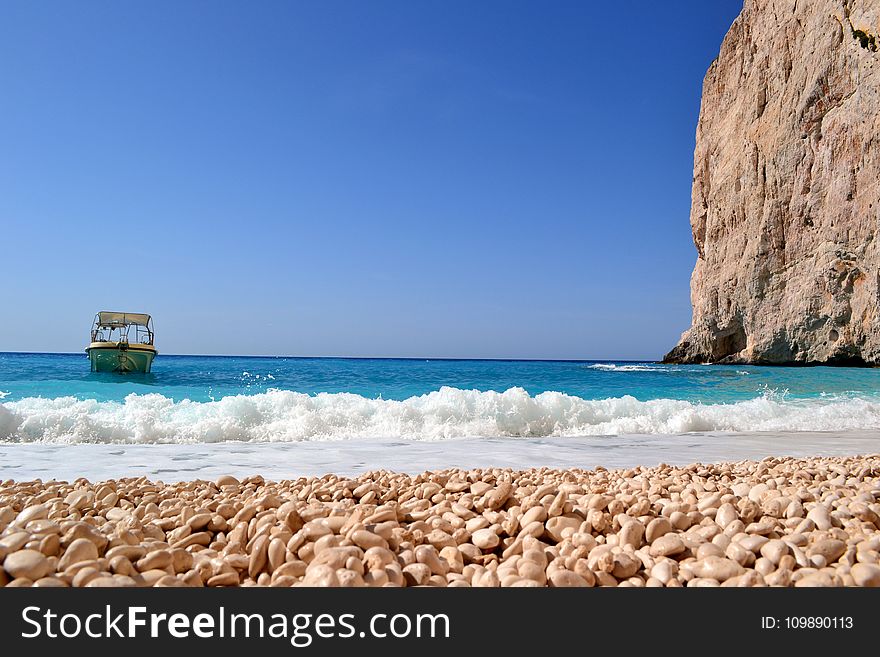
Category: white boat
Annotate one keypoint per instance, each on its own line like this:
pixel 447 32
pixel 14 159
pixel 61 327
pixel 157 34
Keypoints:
pixel 115 348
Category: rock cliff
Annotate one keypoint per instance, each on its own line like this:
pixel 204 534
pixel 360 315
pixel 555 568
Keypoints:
pixel 786 190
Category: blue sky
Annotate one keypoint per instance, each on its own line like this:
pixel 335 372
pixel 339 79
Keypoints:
pixel 437 179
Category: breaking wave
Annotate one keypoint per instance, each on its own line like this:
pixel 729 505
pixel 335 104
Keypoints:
pixel 611 367
pixel 279 416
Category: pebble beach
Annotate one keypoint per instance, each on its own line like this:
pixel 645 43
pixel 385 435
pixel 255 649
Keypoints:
pixel 775 522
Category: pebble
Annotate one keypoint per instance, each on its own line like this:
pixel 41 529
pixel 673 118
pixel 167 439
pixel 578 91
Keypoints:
pixel 631 533
pixel 36 512
pixel 561 526
pixel 819 579
pixel 753 543
pixel 485 539
pixel 80 549
pixel 726 514
pixel 50 582
pixel 820 516
pixel 668 545
pixel 417 574
pixel 85 575
pixel 566 578
pixel 158 559
pixel 29 564
pixel 223 579
pixel 717 568
pixel 664 571
pixel 865 574
pixel 773 550
pixel 830 549
pixel 657 528
pixel 709 550
pixel 625 565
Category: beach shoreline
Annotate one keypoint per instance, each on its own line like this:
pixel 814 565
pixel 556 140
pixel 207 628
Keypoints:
pixel 285 460
pixel 811 521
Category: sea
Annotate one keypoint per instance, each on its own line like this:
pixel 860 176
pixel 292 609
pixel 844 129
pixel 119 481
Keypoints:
pixel 200 416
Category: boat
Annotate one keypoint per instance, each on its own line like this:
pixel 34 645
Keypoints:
pixel 116 348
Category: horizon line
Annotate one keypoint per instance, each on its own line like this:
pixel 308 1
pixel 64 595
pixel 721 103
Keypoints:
pixel 267 356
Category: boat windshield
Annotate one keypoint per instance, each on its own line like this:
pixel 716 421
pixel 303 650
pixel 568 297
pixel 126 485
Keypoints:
pixel 133 328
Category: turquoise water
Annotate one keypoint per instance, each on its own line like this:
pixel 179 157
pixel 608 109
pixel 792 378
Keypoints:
pixel 54 397
pixel 202 378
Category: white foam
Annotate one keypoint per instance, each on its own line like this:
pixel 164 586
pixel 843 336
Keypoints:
pixel 610 367
pixel 449 413
pixel 645 367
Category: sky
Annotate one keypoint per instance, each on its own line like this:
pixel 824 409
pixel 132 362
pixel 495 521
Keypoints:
pixel 373 179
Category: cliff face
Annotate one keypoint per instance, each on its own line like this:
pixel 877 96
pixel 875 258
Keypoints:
pixel 786 192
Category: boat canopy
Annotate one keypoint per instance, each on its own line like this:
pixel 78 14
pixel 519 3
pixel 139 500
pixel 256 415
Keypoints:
pixel 112 319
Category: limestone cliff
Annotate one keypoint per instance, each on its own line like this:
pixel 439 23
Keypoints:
pixel 786 191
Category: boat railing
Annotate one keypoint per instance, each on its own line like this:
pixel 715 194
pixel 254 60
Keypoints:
pixel 104 332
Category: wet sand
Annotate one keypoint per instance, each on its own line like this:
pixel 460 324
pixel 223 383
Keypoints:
pixel 180 462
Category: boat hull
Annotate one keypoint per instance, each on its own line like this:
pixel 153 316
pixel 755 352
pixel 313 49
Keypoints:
pixel 113 357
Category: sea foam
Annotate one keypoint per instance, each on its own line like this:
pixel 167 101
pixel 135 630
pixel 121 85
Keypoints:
pixel 611 367
pixel 448 413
